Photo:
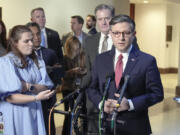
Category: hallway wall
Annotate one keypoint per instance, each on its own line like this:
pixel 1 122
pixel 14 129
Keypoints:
pixel 58 12
pixel 151 20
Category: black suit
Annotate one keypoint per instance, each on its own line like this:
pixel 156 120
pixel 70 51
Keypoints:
pixel 92 31
pixel 50 58
pixel 54 43
pixel 91 51
pixel 144 89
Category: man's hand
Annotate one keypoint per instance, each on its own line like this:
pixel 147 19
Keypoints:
pixel 124 104
pixel 110 105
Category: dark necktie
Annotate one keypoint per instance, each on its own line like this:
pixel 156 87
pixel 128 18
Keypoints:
pixel 118 70
pixel 104 44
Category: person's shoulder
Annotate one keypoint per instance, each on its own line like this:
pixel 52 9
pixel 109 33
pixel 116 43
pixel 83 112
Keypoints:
pixel 49 30
pixel 48 50
pixel 84 33
pixel 106 55
pixel 94 36
pixel 9 58
pixel 146 56
pixel 64 36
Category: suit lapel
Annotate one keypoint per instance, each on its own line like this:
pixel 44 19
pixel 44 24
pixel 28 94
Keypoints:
pixel 132 60
pixel 111 60
pixel 96 41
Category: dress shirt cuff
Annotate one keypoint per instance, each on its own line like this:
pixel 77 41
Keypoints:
pixel 131 106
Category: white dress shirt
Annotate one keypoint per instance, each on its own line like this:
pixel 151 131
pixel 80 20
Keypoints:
pixel 125 59
pixel 109 40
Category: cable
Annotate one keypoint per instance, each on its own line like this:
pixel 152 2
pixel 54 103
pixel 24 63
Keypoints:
pixel 50 119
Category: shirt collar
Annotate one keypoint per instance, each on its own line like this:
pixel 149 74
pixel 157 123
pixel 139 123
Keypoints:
pixel 125 54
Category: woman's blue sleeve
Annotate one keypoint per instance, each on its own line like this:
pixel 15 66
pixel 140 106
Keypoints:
pixel 9 79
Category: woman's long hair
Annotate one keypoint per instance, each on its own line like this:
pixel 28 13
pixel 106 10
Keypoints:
pixel 3 39
pixel 68 50
pixel 15 35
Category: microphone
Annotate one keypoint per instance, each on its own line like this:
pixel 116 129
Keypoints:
pixel 114 115
pixel 109 77
pixel 68 97
pixel 78 100
pixel 126 79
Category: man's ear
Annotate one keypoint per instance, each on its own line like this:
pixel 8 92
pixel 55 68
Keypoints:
pixel 134 33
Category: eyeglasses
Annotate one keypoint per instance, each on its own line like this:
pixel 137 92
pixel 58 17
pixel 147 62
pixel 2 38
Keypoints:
pixel 124 34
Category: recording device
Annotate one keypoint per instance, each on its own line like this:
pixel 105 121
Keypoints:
pixel 71 95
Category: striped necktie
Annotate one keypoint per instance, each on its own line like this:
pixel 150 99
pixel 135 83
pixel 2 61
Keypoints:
pixel 104 44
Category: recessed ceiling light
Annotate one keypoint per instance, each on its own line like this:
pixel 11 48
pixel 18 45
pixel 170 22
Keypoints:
pixel 146 1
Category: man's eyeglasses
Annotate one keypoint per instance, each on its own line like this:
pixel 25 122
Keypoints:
pixel 124 34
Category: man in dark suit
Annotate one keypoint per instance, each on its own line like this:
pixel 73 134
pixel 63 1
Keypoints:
pixel 91 24
pixel 144 87
pixel 93 47
pixel 49 38
pixel 76 27
pixel 55 73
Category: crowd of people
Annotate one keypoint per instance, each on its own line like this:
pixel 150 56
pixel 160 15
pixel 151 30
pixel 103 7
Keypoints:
pixel 35 63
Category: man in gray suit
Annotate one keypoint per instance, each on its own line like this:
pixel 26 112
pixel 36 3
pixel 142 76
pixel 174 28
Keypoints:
pixel 76 27
pixel 93 47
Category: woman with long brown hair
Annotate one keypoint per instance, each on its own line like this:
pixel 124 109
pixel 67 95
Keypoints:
pixel 23 83
pixel 74 64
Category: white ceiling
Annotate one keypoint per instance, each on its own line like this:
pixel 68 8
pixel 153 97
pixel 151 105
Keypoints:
pixel 155 1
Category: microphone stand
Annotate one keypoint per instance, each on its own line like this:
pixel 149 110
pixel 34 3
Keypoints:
pixel 71 114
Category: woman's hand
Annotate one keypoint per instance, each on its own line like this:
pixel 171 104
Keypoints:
pixel 45 95
pixel 76 69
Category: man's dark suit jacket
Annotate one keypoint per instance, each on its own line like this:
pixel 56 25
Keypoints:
pixel 54 43
pixel 92 31
pixel 91 51
pixel 50 58
pixel 144 88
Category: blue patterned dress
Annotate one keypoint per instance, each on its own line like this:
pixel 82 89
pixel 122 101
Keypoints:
pixel 21 119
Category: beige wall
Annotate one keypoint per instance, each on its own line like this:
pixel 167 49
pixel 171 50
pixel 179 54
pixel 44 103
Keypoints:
pixel 174 21
pixel 151 21
pixel 58 12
